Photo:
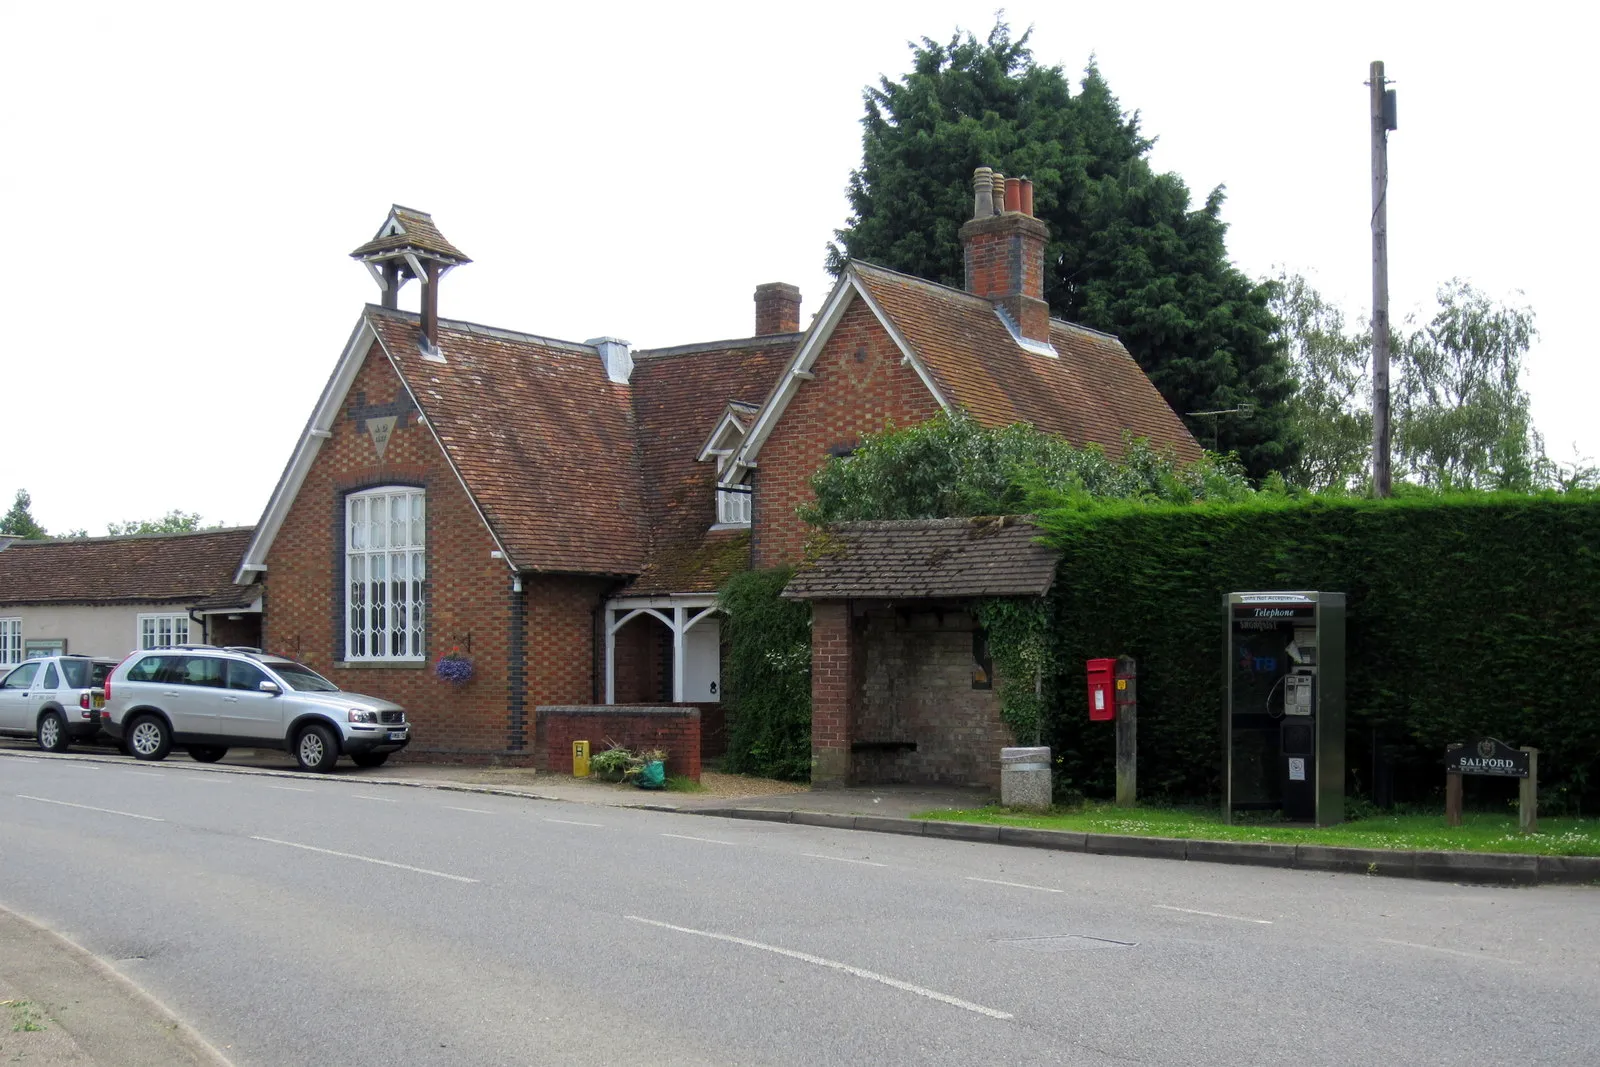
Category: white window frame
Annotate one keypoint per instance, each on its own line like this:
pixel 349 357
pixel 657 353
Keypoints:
pixel 10 642
pixel 373 556
pixel 733 505
pixel 163 629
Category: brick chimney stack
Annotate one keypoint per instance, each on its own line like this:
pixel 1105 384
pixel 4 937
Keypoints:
pixel 1003 246
pixel 777 309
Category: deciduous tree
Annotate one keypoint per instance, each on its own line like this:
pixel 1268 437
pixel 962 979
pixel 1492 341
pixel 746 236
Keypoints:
pixel 19 521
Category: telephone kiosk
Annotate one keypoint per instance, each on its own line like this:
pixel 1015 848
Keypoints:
pixel 1283 723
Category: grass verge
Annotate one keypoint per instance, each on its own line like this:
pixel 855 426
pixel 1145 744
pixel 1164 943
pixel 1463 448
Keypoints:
pixel 1479 832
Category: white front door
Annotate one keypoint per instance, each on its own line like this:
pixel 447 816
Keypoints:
pixel 702 662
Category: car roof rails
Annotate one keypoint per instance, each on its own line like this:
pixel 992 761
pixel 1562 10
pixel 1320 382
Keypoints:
pixel 243 648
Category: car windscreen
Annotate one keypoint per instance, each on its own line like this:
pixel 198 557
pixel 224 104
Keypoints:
pixel 302 678
pixel 84 673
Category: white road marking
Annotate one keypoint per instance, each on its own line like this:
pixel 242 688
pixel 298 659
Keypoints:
pixel 147 774
pixel 364 859
pixel 569 822
pixel 1447 951
pixel 475 811
pixel 90 807
pixel 806 957
pixel 381 800
pixel 291 789
pixel 707 840
pixel 1017 885
pixel 1213 914
pixel 841 859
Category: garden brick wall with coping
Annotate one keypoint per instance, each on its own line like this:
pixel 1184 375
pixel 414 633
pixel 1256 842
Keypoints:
pixel 673 729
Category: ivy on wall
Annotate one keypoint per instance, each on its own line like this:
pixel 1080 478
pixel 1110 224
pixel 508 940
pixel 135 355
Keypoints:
pixel 767 675
pixel 1022 643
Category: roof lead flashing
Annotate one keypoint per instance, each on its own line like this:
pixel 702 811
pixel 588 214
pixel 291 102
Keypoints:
pixel 617 355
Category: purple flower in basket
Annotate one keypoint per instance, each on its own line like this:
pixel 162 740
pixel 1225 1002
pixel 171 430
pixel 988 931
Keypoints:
pixel 454 668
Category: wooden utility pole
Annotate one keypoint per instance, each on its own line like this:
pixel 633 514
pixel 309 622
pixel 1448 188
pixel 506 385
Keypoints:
pixel 1382 123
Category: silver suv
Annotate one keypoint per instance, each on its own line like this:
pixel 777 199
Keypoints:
pixel 207 700
pixel 54 699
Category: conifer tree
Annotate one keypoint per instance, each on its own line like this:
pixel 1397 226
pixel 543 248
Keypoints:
pixel 1128 252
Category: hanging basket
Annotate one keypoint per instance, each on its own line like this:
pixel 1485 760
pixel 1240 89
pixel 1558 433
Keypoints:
pixel 453 668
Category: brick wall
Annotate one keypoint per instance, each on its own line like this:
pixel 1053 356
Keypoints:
pixel 245 630
pixel 833 697
pixel 468 596
pixel 675 730
pixel 915 685
pixel 860 385
pixel 643 648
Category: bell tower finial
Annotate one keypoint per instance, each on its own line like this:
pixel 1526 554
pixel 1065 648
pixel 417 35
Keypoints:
pixel 408 245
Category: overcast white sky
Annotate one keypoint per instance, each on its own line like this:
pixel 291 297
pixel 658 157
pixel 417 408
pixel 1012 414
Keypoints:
pixel 182 184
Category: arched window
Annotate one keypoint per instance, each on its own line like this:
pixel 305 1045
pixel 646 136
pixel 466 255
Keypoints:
pixel 384 564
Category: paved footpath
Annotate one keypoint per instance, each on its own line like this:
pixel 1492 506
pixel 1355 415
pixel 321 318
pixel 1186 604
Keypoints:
pixel 61 1005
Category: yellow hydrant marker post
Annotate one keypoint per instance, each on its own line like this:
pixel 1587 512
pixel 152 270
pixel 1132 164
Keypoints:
pixel 580 759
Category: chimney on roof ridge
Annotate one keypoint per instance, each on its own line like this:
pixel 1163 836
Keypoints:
pixel 617 355
pixel 408 245
pixel 1003 247
pixel 777 308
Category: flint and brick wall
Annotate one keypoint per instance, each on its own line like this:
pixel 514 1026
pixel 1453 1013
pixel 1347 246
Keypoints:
pixel 860 385
pixel 673 729
pixel 916 686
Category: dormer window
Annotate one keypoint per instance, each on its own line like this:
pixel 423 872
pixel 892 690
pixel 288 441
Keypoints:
pixel 733 491
pixel 733 505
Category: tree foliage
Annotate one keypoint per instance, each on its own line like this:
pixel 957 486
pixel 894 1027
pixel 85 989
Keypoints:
pixel 19 521
pixel 1128 252
pixel 1332 402
pixel 174 521
pixel 1460 416
pixel 951 466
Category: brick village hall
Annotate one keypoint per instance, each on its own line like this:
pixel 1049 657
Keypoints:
pixel 563 512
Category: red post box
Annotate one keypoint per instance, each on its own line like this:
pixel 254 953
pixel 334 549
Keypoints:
pixel 1102 698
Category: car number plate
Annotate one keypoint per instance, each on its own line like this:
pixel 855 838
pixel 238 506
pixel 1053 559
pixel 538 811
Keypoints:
pixel 397 735
pixel 98 700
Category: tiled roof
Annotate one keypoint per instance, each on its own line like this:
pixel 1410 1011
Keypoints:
pixel 418 233
pixel 238 596
pixel 1090 393
pixel 543 439
pixel 145 568
pixel 678 395
pixel 927 558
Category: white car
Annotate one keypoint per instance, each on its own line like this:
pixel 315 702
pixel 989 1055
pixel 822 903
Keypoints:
pixel 54 699
pixel 206 699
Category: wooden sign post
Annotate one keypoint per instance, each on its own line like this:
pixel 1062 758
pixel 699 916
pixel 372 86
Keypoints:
pixel 1127 705
pixel 1496 759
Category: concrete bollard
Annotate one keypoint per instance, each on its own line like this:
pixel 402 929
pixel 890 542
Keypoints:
pixel 1025 778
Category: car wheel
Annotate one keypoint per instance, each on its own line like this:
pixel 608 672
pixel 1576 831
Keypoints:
pixel 52 735
pixel 206 753
pixel 316 749
pixel 370 759
pixel 149 739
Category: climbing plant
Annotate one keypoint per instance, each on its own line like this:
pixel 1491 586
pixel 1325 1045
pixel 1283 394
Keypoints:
pixel 767 675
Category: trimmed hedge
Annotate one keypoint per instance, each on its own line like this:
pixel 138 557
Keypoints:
pixel 1466 616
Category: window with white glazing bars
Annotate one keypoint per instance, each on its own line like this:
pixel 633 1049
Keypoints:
pixel 385 546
